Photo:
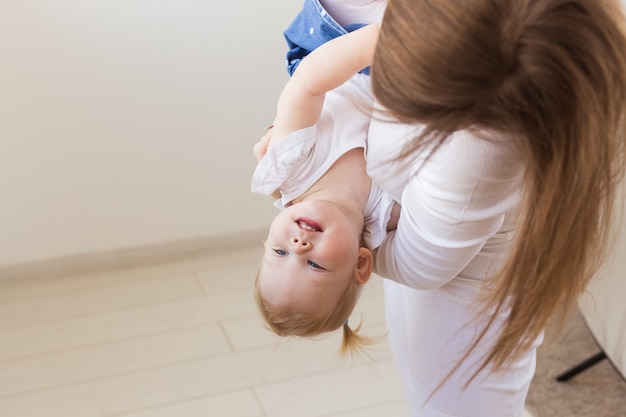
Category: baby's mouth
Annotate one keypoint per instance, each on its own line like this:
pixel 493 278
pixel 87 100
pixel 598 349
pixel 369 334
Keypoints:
pixel 308 225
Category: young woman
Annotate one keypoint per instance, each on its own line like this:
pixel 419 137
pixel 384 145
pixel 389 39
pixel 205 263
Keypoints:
pixel 507 159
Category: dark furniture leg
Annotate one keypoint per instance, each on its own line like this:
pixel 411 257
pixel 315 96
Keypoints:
pixel 565 376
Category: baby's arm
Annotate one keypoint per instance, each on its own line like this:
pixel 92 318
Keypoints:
pixel 327 67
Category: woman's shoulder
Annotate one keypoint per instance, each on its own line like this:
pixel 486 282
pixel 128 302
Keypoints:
pixel 488 152
pixel 464 159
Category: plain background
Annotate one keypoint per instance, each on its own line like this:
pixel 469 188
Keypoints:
pixel 131 123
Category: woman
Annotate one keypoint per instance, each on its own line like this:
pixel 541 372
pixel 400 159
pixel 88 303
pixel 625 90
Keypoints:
pixel 506 160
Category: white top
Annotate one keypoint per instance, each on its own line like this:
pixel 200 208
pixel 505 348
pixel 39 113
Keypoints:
pixel 456 225
pixel 347 12
pixel 296 162
pixel 458 208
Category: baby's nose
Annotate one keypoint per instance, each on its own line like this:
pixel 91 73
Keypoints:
pixel 301 244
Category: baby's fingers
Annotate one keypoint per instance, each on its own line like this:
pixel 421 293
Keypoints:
pixel 260 148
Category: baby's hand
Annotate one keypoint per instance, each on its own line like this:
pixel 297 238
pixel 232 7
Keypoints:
pixel 260 148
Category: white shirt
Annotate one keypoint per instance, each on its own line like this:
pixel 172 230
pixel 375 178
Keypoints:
pixel 458 207
pixel 455 229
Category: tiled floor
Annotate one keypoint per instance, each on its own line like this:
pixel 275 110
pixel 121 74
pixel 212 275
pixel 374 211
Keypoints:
pixel 181 339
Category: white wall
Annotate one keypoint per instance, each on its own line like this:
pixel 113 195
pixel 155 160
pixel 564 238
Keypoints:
pixel 126 123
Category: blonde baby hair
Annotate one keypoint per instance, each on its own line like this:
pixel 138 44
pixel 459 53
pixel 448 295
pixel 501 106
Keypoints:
pixel 284 321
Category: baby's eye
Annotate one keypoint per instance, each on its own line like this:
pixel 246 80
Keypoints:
pixel 314 265
pixel 280 252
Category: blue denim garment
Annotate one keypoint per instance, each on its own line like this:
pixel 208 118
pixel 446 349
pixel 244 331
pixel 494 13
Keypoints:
pixel 312 27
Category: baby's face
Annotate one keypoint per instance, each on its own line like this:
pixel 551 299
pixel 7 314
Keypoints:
pixel 311 253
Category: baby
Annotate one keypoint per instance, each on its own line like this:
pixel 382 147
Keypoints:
pixel 318 250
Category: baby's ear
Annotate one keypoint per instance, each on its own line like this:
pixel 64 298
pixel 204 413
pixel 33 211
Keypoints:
pixel 364 265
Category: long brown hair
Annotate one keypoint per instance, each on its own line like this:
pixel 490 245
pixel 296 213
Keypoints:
pixel 549 75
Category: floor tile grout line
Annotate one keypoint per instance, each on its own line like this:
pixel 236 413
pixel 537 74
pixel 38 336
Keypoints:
pixel 386 362
pixel 173 364
pixel 227 337
pixel 182 401
pixel 202 293
pixel 127 279
pixel 382 403
pixel 198 283
pixel 118 310
pixel 258 400
pixel 116 375
pixel 101 313
pixel 135 336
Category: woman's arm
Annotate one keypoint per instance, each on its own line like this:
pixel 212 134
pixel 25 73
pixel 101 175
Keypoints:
pixel 324 69
pixel 451 207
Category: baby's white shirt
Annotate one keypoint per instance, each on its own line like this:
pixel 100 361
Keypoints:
pixel 355 11
pixel 297 161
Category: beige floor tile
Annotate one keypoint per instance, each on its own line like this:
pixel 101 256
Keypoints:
pixel 114 395
pixel 228 277
pixel 332 392
pixel 24 287
pixel 12 288
pixel 97 300
pixel 93 362
pixel 391 409
pixel 121 324
pixel 249 333
pixel 179 382
pixel 370 309
pixel 233 404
